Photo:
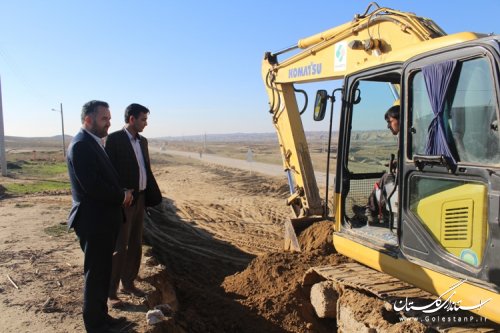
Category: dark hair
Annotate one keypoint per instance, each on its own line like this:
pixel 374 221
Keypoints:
pixel 90 108
pixel 134 110
pixel 393 112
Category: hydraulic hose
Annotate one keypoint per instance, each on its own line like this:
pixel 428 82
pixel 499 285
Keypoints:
pixel 328 153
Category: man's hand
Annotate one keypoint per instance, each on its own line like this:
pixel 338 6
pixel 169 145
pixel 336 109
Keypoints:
pixel 128 198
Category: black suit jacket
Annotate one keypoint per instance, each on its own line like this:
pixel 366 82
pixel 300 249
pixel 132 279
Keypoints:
pixel 95 188
pixel 122 156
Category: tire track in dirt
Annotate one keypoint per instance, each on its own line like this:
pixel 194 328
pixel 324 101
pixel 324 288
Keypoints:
pixel 253 230
pixel 242 208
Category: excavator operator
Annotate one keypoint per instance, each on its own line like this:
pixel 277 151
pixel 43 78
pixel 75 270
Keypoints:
pixel 376 210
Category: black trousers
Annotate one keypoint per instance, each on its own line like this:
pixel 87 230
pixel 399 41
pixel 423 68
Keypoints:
pixel 98 249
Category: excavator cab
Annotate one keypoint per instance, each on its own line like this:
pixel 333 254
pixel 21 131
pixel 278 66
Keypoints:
pixel 442 201
pixel 366 162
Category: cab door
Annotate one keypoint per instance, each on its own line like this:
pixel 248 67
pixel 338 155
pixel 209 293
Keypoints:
pixel 450 173
pixel 364 153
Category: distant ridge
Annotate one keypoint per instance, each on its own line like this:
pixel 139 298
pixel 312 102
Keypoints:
pixel 231 137
pixel 38 138
pixel 238 137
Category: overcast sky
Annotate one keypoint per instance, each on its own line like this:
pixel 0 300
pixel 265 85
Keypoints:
pixel 195 64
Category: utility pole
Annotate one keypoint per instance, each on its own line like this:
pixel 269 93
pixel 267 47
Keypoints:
pixel 3 158
pixel 62 128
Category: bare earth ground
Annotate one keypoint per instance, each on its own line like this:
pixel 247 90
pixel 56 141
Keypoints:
pixel 213 253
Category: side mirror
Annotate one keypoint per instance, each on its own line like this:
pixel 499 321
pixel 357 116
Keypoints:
pixel 357 96
pixel 320 105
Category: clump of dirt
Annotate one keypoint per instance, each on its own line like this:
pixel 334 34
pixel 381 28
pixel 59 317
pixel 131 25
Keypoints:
pixel 409 326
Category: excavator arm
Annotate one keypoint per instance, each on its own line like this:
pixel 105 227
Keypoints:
pixel 370 39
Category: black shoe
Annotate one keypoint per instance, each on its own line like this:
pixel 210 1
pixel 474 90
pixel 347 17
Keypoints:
pixel 114 322
pixel 106 329
pixel 133 290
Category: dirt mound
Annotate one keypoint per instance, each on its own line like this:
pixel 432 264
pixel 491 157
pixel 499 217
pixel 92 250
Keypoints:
pixel 271 286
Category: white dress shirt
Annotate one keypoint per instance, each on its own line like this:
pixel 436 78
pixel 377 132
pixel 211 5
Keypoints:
pixel 136 144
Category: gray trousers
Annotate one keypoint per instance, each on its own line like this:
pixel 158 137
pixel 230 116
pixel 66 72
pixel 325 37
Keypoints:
pixel 128 249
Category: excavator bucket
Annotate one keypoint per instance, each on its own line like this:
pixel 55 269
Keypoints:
pixel 291 241
pixel 293 229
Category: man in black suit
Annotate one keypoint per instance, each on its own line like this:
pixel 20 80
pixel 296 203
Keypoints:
pixel 128 152
pixel 97 213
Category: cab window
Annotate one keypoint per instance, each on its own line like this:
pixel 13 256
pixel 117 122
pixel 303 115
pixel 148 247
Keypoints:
pixel 470 115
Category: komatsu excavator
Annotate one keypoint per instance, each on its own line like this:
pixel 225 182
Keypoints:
pixel 442 230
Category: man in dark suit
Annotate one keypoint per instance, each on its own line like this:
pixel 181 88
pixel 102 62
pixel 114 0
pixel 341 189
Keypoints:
pixel 128 152
pixel 97 213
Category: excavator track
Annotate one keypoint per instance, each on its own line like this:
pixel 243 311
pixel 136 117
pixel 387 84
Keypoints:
pixel 363 278
pixel 391 291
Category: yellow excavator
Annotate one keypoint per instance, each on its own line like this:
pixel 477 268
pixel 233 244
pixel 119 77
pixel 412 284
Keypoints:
pixel 436 225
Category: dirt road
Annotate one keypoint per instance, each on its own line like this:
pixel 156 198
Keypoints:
pixel 251 166
pixel 273 170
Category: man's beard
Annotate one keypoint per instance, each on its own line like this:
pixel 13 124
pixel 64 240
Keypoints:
pixel 99 132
